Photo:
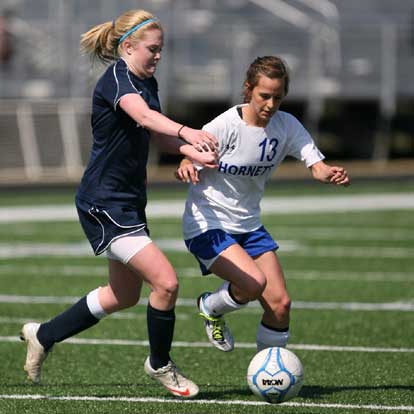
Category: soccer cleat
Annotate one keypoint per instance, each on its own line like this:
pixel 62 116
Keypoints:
pixel 217 331
pixel 172 379
pixel 35 351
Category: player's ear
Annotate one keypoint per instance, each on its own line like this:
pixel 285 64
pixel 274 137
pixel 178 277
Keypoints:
pixel 128 47
pixel 247 91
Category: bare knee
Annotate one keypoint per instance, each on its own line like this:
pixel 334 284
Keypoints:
pixel 166 289
pixel 251 289
pixel 281 306
pixel 169 289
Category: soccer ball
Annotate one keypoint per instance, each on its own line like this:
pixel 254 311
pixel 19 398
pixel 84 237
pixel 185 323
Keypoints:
pixel 275 375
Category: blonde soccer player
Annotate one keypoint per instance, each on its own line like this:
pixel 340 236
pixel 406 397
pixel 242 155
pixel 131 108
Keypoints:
pixel 111 197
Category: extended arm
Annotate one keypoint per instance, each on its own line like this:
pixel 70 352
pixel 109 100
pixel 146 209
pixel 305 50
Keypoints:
pixel 138 110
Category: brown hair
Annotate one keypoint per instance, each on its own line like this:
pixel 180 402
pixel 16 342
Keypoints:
pixel 272 67
pixel 102 41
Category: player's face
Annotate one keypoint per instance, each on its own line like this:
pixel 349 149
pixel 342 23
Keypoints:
pixel 144 55
pixel 266 98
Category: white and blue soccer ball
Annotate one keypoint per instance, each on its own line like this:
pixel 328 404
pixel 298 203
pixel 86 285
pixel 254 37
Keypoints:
pixel 275 375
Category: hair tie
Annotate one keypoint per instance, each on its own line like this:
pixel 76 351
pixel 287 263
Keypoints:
pixel 113 24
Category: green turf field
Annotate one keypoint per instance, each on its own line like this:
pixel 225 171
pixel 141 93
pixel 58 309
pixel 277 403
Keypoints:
pixel 350 275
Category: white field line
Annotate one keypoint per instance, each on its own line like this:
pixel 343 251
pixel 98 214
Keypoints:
pixel 269 205
pixel 244 345
pixel 288 247
pixel 375 407
pixel 194 272
pixel 355 251
pixel 341 232
pixel 185 302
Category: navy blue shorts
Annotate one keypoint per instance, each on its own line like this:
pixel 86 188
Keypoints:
pixel 207 246
pixel 102 225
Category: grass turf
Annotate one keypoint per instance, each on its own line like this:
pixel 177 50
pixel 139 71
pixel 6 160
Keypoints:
pixel 356 257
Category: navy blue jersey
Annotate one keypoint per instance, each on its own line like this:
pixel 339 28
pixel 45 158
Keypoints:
pixel 116 172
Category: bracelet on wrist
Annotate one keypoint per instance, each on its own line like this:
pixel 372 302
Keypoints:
pixel 179 131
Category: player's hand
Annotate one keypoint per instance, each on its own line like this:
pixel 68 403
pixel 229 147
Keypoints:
pixel 330 174
pixel 205 158
pixel 339 176
pixel 187 172
pixel 199 139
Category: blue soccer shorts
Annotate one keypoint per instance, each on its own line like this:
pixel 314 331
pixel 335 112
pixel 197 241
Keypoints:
pixel 207 247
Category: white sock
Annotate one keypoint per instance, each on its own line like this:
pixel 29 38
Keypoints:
pixel 92 300
pixel 266 338
pixel 220 301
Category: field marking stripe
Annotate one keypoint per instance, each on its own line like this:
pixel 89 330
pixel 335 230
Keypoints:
pixel 197 344
pixel 209 402
pixel 288 247
pixel 269 205
pixel 407 306
pixel 194 272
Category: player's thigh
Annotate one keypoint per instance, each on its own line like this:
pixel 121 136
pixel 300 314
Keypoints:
pixel 124 282
pixel 154 268
pixel 275 292
pixel 236 266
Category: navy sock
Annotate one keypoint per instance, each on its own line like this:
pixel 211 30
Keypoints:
pixel 160 334
pixel 72 321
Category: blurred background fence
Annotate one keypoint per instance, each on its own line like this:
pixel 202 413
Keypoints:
pixel 352 66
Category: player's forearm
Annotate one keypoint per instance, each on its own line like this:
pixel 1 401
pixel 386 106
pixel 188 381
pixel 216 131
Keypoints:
pixel 319 171
pixel 146 117
pixel 157 122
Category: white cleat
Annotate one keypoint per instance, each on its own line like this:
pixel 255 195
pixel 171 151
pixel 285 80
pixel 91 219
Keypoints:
pixel 172 379
pixel 35 351
pixel 218 332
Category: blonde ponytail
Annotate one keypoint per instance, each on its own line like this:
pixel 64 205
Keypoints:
pixel 102 42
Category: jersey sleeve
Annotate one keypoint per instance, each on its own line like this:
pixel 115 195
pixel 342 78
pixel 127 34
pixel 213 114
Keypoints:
pixel 301 144
pixel 219 127
pixel 117 84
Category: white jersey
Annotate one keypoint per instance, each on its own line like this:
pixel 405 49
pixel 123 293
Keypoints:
pixel 228 198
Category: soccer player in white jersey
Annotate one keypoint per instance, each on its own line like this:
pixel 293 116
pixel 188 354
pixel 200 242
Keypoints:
pixel 221 222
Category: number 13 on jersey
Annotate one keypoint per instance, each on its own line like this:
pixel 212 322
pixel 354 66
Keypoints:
pixel 272 143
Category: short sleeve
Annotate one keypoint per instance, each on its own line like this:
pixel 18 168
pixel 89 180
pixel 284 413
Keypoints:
pixel 301 144
pixel 219 128
pixel 117 83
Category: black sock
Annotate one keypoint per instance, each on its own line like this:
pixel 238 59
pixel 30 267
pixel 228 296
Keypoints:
pixel 72 321
pixel 275 329
pixel 160 334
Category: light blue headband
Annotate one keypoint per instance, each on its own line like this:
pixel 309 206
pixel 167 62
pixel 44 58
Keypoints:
pixel 130 31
